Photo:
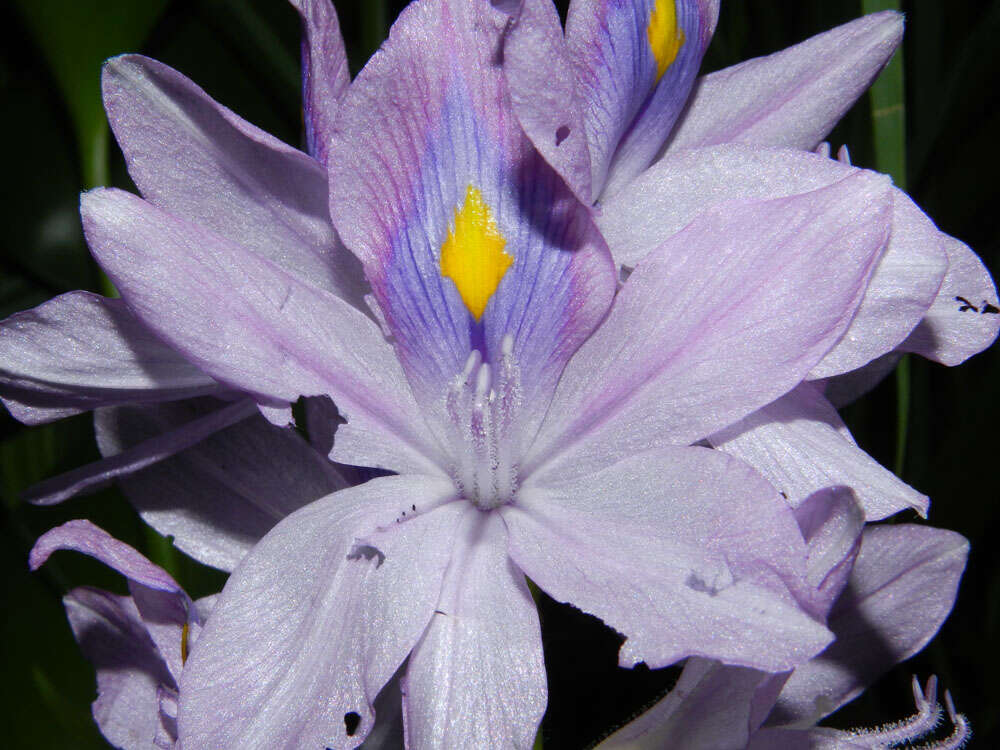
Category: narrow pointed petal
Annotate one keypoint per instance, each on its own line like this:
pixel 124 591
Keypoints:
pixel 164 606
pixel 684 184
pixel 318 617
pixel 221 497
pixel 466 234
pixel 166 731
pixel 794 97
pixel 28 413
pixel 713 325
pixel 252 325
pixel 635 64
pixel 800 445
pixel 477 679
pixel 685 551
pixel 965 316
pixel 93 476
pixel 83 536
pixel 129 669
pixel 80 351
pixel 831 522
pixel 193 157
pixel 708 709
pixel 543 91
pixel 325 75
pixel 901 589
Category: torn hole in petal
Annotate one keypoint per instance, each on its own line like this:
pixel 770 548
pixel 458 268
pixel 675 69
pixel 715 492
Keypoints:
pixel 710 582
pixel 352 720
pixel 367 552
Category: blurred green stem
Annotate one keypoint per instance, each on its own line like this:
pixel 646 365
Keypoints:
pixel 888 100
pixel 374 26
pixel 161 550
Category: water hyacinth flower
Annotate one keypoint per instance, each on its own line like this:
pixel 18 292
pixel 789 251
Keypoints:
pixel 494 286
pixel 539 420
pixel 883 590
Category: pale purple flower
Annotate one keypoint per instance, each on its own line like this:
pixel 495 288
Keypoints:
pixel 883 590
pixel 539 419
pixel 539 423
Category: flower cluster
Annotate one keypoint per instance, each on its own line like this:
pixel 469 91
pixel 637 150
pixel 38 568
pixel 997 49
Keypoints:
pixel 585 314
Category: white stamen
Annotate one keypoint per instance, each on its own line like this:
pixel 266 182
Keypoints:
pixel 482 403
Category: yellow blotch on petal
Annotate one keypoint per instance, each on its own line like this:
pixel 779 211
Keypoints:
pixel 472 255
pixel 665 37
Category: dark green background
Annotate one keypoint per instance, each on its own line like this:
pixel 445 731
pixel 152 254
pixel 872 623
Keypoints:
pixel 245 53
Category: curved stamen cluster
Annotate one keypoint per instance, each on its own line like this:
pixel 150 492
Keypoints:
pixel 922 723
pixel 482 403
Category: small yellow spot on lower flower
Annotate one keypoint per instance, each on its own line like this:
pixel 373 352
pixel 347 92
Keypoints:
pixel 185 633
pixel 472 255
pixel 665 37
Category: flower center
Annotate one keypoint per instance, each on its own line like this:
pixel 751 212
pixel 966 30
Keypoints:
pixel 482 403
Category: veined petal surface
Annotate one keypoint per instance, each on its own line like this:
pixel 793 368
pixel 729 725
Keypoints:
pixel 83 536
pixel 80 351
pixel 900 591
pixel 318 617
pixel 437 190
pixel 325 75
pixel 544 94
pixel 800 445
pixel 685 551
pixel 222 496
pixel 193 157
pixel 254 326
pixel 164 606
pixel 157 447
pixel 965 316
pixel 794 97
pixel 129 669
pixel 820 738
pixel 723 318
pixel 477 678
pixel 686 183
pixel 717 706
pixel 831 522
pixel 635 63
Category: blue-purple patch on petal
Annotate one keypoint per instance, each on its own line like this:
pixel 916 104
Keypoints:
pixel 635 64
pixel 467 235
